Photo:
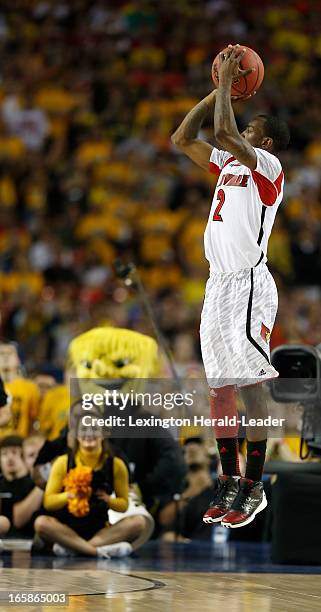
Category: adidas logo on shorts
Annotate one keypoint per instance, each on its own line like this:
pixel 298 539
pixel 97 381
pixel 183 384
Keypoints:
pixel 262 373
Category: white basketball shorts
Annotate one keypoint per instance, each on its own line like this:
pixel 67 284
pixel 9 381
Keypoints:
pixel 236 323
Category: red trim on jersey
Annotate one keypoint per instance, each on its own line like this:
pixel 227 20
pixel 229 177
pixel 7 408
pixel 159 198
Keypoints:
pixel 278 182
pixel 268 190
pixel 214 168
pixel 229 160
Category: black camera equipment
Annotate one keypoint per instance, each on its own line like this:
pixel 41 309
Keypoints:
pixel 299 368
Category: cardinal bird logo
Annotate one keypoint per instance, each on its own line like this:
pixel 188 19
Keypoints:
pixel 265 333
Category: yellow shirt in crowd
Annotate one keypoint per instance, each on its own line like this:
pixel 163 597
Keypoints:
pixel 54 411
pixel 24 408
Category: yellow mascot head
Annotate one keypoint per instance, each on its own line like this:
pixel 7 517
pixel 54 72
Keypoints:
pixel 116 360
pixel 111 353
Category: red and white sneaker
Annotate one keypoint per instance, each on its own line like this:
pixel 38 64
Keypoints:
pixel 249 501
pixel 225 493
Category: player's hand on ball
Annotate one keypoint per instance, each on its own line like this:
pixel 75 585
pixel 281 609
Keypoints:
pixel 230 70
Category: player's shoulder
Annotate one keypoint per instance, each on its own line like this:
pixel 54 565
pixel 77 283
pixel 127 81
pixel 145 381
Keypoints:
pixel 219 156
pixel 269 157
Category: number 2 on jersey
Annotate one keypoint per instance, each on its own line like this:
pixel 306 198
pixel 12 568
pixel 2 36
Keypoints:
pixel 221 200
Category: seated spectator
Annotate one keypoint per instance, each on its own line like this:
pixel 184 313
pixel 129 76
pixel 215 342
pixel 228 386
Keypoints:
pixel 45 380
pixel 41 471
pixel 25 395
pixel 31 448
pixel 20 498
pixel 183 519
pixel 79 522
pixel 54 410
pixel 5 410
pixel 156 479
pixel 54 407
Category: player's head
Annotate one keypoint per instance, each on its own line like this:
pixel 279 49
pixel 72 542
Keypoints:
pixel 267 132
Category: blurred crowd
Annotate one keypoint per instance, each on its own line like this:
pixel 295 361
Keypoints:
pixel 90 93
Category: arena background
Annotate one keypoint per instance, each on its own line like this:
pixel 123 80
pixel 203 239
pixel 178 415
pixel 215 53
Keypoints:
pixel 90 92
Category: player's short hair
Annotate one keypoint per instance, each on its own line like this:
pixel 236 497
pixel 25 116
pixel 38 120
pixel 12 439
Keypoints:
pixel 278 130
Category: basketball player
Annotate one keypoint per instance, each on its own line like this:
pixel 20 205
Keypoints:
pixel 241 297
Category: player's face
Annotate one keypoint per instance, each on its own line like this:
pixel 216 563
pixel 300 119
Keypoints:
pixel 254 132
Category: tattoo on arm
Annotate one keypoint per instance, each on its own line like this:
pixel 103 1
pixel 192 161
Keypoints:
pixel 224 119
pixel 185 138
pixel 194 120
pixel 188 129
pixel 226 131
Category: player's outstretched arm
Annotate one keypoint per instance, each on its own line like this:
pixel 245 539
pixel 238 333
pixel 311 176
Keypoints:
pixel 185 137
pixel 225 128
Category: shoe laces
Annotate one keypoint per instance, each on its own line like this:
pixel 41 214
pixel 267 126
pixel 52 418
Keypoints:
pixel 241 498
pixel 220 492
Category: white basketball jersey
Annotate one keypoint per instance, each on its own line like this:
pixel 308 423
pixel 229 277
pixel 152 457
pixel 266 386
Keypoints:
pixel 243 210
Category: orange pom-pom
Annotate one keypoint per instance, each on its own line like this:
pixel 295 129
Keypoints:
pixel 77 481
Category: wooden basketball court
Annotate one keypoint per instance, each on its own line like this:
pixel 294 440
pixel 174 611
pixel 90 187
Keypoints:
pixel 95 586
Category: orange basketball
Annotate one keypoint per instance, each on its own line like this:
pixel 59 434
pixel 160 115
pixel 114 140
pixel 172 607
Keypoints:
pixel 245 85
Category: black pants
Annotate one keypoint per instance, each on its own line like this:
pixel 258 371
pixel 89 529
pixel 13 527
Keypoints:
pixel 85 526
